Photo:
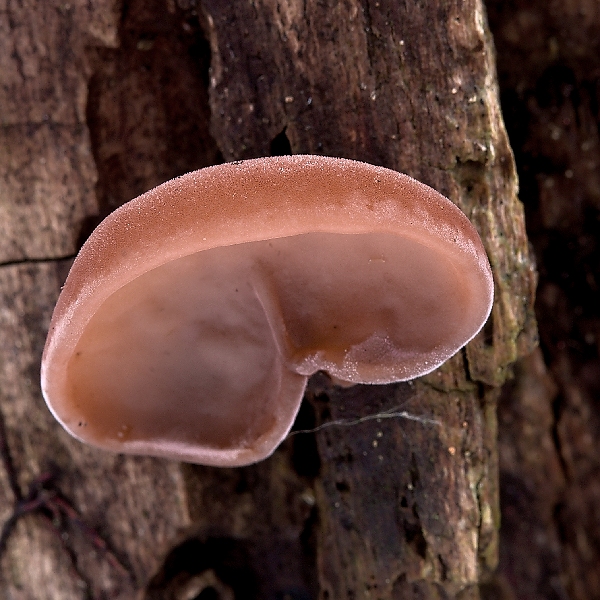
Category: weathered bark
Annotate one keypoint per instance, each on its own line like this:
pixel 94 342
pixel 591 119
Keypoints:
pixel 94 114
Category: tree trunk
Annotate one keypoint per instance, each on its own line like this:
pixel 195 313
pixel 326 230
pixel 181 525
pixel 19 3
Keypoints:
pixel 549 65
pixel 396 496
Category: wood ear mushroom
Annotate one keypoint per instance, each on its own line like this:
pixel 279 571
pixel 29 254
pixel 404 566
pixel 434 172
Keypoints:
pixel 194 314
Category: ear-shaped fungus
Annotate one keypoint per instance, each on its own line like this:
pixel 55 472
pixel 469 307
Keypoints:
pixel 194 314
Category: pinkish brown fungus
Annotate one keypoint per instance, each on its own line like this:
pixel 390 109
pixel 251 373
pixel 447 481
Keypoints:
pixel 194 314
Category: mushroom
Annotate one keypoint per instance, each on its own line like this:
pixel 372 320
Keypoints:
pixel 193 316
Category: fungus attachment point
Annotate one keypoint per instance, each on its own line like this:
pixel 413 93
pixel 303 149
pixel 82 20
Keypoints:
pixel 194 315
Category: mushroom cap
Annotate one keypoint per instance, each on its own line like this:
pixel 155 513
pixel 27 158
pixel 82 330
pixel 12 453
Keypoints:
pixel 193 316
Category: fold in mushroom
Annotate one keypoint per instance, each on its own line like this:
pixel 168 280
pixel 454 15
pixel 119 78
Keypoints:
pixel 194 315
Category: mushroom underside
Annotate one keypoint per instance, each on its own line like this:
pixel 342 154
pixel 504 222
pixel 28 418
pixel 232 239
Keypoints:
pixel 206 357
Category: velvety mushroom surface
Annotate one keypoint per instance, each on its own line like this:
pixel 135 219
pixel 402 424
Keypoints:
pixel 193 316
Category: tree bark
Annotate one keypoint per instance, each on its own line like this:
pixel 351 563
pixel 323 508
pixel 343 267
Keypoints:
pixel 549 65
pixel 396 495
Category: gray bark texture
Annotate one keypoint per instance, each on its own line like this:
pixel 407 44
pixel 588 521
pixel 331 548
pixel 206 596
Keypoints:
pixel 102 101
